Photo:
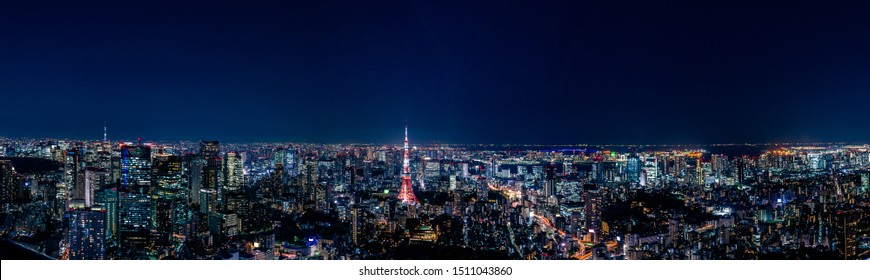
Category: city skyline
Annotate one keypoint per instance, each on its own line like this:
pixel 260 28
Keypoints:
pixel 93 200
pixel 482 72
pixel 105 138
pixel 341 139
pixel 439 143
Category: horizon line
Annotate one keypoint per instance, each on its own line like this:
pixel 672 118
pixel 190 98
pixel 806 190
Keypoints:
pixel 454 144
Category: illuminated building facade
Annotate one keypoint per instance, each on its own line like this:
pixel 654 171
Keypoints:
pixel 191 167
pixel 632 168
pixel 167 174
pixel 234 169
pixel 135 165
pixel 210 199
pixel 94 178
pixel 107 198
pixel 8 188
pixel 86 234
pixel 134 217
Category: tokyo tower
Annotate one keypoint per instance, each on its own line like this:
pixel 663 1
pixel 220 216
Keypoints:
pixel 406 194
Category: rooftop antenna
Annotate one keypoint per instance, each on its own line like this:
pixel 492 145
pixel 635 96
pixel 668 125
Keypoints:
pixel 104 131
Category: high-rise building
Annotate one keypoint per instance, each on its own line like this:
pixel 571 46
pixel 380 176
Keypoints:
pixel 291 162
pixel 309 187
pixel 167 195
pixel 107 198
pixel 181 218
pixel 210 200
pixel 94 178
pixel 651 169
pixel 234 176
pixel 166 177
pixel 279 174
pixel 632 168
pixel 815 161
pixel 72 166
pixel 223 225
pixel 192 176
pixel 210 151
pixel 115 169
pixel 483 190
pixel 597 169
pixel 865 182
pixel 134 227
pixel 162 220
pixel 846 225
pixel 210 191
pixel 699 172
pixel 719 165
pixel 538 171
pixel 135 165
pixel 643 178
pixel 550 182
pixel 8 188
pixel 592 200
pixel 86 234
pixel 279 156
pixel 355 220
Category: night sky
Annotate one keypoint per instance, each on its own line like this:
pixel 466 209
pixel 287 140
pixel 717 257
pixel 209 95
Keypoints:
pixel 542 72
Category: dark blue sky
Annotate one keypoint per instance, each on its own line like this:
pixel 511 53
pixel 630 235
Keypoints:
pixel 459 71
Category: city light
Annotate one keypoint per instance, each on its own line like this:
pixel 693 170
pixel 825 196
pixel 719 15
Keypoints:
pixel 464 131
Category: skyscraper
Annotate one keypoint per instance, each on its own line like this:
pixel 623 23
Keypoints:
pixel 72 164
pixel 134 229
pixel 699 172
pixel 597 169
pixel 86 234
pixel 815 161
pixel 651 169
pixel 309 187
pixel 592 201
pixel 234 176
pixel 166 176
pixel 483 190
pixel 846 224
pixel 107 197
pixel 632 168
pixel 291 162
pixel 865 181
pixel 355 221
pixel 162 220
pixel 210 201
pixel 550 183
pixel 94 178
pixel 192 176
pixel 135 165
pixel 210 151
pixel 210 191
pixel 406 194
pixel 167 196
pixel 7 182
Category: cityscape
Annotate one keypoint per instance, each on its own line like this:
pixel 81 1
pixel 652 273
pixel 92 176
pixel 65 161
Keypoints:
pixel 140 200
pixel 508 138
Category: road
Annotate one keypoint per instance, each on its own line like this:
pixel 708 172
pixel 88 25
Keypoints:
pixel 543 221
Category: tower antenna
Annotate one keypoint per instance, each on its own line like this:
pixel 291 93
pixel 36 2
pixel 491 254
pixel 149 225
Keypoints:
pixel 406 194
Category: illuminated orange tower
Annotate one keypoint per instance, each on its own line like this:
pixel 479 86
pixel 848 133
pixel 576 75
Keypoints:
pixel 406 194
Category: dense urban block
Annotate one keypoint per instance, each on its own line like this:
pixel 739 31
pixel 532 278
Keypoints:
pixel 102 199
